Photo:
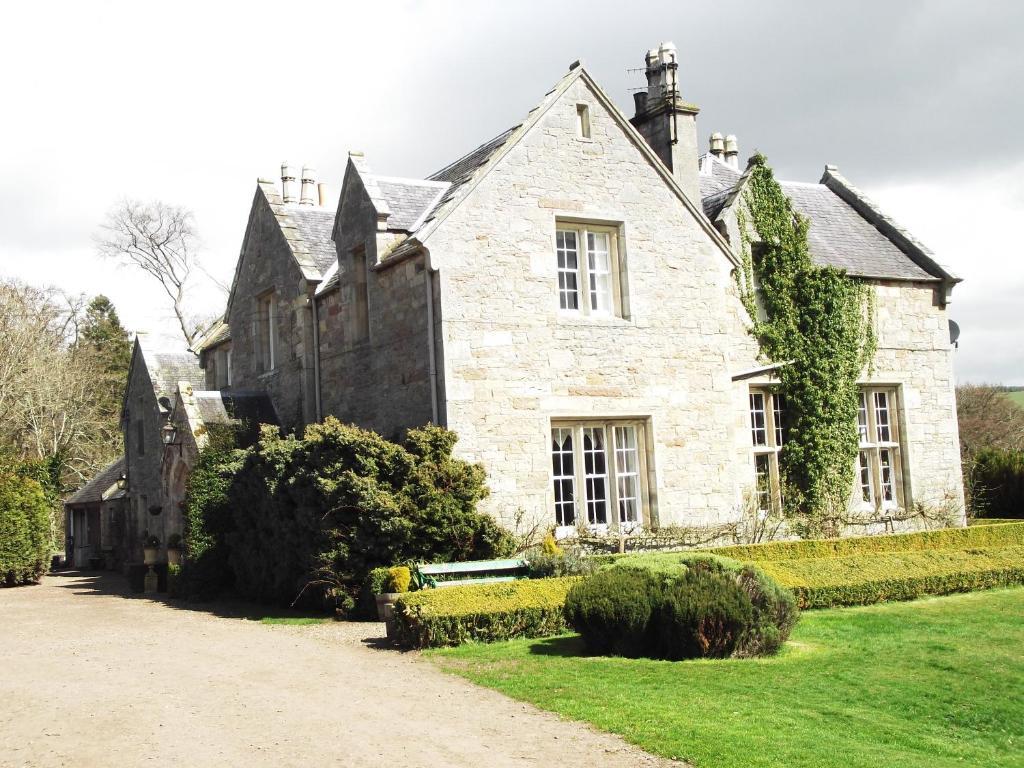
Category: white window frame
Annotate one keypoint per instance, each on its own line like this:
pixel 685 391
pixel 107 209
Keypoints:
pixel 766 439
pixel 585 271
pixel 266 330
pixel 616 475
pixel 879 449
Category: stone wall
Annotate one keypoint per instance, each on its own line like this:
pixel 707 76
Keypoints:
pixel 513 361
pixel 143 464
pixel 381 382
pixel 266 264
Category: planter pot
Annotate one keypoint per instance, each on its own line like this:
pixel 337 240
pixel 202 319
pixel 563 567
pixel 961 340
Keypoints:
pixel 386 605
pixel 174 557
pixel 150 554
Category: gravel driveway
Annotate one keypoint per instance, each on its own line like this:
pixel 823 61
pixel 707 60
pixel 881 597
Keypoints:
pixel 92 677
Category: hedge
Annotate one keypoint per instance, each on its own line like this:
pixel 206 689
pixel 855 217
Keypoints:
pixel 861 580
pixel 1004 535
pixel 482 612
pixel 24 530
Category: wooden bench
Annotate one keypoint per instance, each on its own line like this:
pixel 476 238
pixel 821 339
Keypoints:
pixel 473 572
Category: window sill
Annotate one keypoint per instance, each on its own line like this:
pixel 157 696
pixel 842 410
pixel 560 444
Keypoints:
pixel 268 374
pixel 567 317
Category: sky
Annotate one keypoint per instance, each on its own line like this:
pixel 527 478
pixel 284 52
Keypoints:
pixel 919 104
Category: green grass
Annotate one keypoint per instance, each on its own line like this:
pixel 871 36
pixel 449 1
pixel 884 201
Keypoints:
pixel 1017 397
pixel 926 684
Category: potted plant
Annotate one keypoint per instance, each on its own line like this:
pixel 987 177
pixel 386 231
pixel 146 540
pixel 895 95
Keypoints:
pixel 394 585
pixel 150 549
pixel 174 547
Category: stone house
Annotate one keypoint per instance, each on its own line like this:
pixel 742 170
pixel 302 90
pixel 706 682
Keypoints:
pixel 154 376
pixel 94 519
pixel 564 297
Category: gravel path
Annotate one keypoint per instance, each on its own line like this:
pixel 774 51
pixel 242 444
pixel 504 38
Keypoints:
pixel 92 677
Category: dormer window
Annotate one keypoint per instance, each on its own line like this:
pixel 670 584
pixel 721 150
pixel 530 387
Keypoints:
pixel 582 121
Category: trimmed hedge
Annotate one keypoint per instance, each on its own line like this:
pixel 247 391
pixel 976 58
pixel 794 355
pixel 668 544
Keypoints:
pixel 483 612
pixel 861 580
pixel 24 530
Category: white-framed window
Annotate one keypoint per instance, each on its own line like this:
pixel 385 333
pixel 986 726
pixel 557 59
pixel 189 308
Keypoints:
pixel 266 331
pixel 879 476
pixel 766 436
pixel 582 121
pixel 599 471
pixel 589 280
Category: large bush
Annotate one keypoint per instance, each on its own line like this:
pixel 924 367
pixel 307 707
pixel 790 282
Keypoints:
pixel 997 483
pixel 311 517
pixel 685 607
pixel 24 530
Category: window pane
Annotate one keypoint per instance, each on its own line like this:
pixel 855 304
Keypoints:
pixel 568 267
pixel 864 471
pixel 758 431
pixel 595 467
pixel 885 464
pixel 862 418
pixel 627 473
pixel 882 417
pixel 565 478
pixel 778 406
pixel 763 473
pixel 599 266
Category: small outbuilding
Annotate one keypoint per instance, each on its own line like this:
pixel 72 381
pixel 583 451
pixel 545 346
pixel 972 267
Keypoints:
pixel 94 519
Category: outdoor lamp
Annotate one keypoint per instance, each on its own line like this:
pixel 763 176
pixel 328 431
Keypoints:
pixel 169 432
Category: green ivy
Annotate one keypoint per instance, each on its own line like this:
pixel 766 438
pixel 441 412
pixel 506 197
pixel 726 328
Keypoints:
pixel 820 323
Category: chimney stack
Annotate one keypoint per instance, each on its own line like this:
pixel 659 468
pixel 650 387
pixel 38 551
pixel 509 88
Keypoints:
pixel 321 190
pixel 732 152
pixel 306 197
pixel 667 122
pixel 717 144
pixel 287 183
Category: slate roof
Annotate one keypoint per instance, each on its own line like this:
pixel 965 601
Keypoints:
pixel 92 492
pixel 237 406
pixel 461 171
pixel 315 225
pixel 166 369
pixel 409 200
pixel 217 333
pixel 839 236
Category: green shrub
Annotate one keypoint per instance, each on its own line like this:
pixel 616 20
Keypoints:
pixel 865 579
pixel 997 482
pixel 484 612
pixel 685 605
pixel 24 530
pixel 544 562
pixel 613 610
pixel 703 613
pixel 399 578
pixel 208 520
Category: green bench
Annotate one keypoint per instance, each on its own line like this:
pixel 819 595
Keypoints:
pixel 473 572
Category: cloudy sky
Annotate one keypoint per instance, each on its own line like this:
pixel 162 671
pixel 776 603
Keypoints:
pixel 919 103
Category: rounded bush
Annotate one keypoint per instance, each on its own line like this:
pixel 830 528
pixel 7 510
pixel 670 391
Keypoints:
pixel 24 530
pixel 691 607
pixel 703 614
pixel 613 610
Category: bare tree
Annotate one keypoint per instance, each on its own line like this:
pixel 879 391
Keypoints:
pixel 988 419
pixel 161 240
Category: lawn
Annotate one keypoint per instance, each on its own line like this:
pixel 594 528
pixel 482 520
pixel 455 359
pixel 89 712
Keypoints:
pixel 1017 396
pixel 936 682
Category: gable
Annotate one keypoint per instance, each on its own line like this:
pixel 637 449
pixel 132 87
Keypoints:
pixel 471 170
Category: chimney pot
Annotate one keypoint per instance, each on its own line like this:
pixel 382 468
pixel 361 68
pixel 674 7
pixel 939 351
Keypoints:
pixel 321 190
pixel 287 183
pixel 308 185
pixel 732 152
pixel 717 144
pixel 640 102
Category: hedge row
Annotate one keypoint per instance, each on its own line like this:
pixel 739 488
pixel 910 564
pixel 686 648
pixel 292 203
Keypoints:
pixel 484 612
pixel 866 579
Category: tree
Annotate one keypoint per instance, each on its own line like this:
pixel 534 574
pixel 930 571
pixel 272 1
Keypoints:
pixel 988 419
pixel 161 240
